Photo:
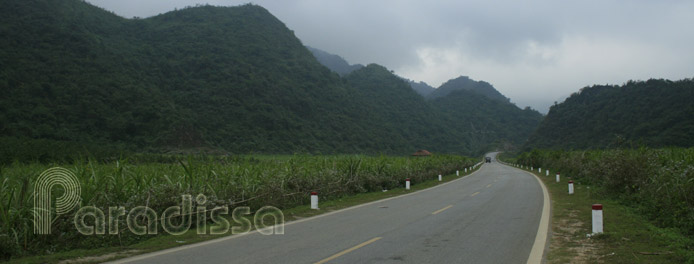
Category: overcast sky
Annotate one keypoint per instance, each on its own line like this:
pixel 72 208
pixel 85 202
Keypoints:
pixel 535 52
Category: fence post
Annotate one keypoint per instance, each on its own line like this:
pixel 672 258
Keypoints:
pixel 597 218
pixel 314 200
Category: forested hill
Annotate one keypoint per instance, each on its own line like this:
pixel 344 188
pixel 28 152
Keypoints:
pixel 421 88
pixel 342 67
pixel 334 62
pixel 465 83
pixel 485 120
pixel 655 113
pixel 393 110
pixel 233 79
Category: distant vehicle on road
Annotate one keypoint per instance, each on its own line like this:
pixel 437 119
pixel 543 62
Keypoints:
pixel 488 159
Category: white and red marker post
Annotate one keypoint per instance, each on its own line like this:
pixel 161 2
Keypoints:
pixel 314 200
pixel 557 177
pixel 439 177
pixel 571 187
pixel 597 218
pixel 407 184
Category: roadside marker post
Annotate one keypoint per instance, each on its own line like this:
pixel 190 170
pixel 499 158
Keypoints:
pixel 546 172
pixel 557 177
pixel 439 177
pixel 314 200
pixel 407 184
pixel 457 173
pixel 571 187
pixel 465 170
pixel 597 218
pixel 539 170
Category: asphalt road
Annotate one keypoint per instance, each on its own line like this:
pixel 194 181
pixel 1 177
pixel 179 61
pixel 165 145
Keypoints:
pixel 490 216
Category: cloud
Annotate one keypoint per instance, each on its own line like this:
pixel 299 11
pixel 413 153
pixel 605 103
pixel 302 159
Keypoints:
pixel 534 52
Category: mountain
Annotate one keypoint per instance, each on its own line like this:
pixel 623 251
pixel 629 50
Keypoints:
pixel 334 62
pixel 465 83
pixel 393 110
pixel 421 88
pixel 342 67
pixel 654 113
pixel 232 78
pixel 487 122
pixel 76 78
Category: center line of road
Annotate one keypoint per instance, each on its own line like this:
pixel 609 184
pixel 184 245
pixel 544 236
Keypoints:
pixel 348 250
pixel 441 210
pixel 474 194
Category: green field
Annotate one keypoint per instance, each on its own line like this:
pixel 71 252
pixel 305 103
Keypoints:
pixel 229 181
pixel 647 193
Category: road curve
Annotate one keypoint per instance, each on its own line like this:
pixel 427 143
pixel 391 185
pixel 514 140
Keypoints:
pixel 491 216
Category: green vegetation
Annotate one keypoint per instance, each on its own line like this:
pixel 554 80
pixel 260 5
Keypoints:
pixel 254 181
pixel 411 119
pixel 655 113
pixel 467 84
pixel 201 79
pixel 485 121
pixel 655 183
pixel 421 88
pixel 629 235
pixel 161 242
pixel 334 62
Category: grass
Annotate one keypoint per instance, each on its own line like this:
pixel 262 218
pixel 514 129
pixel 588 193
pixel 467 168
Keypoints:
pixel 252 181
pixel 169 241
pixel 629 236
pixel 658 182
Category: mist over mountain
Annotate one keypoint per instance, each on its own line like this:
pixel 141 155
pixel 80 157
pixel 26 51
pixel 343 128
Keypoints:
pixel 341 66
pixel 656 113
pixel 421 88
pixel 334 62
pixel 465 83
pixel 230 79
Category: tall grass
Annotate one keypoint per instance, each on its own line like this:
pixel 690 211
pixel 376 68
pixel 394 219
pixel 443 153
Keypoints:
pixel 659 182
pixel 254 181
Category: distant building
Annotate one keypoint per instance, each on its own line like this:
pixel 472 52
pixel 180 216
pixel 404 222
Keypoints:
pixel 422 152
